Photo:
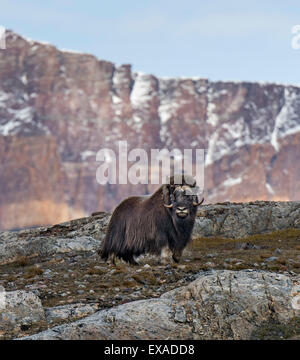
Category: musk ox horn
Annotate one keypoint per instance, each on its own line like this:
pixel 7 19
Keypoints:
pixel 168 206
pixel 199 203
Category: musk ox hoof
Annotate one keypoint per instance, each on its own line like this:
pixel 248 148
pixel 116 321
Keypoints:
pixel 111 259
pixel 134 263
pixel 176 259
pixel 165 256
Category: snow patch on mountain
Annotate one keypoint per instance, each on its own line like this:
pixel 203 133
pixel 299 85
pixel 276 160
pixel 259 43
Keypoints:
pixel 17 120
pixel 168 105
pixel 141 92
pixel 270 189
pixel 232 181
pixel 287 121
pixel 255 124
pixel 212 118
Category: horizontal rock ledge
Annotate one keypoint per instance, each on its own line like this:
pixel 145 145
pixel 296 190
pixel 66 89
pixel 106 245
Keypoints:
pixel 230 220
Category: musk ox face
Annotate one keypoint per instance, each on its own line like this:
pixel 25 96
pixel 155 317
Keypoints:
pixel 183 202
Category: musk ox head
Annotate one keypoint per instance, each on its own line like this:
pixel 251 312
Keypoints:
pixel 180 197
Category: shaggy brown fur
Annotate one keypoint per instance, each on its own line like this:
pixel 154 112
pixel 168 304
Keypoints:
pixel 143 224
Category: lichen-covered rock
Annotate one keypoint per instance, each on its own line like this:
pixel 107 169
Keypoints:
pixel 144 319
pixel 69 312
pixel 20 311
pixel 236 220
pixel 218 305
pixel 233 305
pixel 79 235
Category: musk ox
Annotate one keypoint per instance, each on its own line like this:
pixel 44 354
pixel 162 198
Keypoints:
pixel 153 224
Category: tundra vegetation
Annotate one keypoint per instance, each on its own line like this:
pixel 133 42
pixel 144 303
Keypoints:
pixel 73 278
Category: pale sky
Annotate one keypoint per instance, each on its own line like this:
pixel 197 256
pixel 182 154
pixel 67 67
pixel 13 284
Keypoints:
pixel 219 40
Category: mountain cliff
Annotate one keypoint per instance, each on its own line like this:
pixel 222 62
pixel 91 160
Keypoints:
pixel 58 108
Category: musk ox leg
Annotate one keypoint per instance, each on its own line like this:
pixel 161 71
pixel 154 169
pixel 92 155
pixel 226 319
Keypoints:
pixel 177 255
pixel 132 261
pixel 165 255
pixel 129 258
pixel 112 259
pixel 100 253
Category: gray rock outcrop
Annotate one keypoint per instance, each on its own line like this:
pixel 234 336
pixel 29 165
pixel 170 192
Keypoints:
pixel 69 312
pixel 237 220
pixel 218 305
pixel 77 235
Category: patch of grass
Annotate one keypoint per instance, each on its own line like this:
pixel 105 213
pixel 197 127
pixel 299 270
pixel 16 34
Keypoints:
pixel 273 330
pixel 265 256
pixel 22 261
pixel 239 266
pixel 274 267
pixel 145 278
pixel 276 235
pixel 93 271
pixel 280 237
pixel 103 286
pixel 128 283
pixel 218 250
pixel 10 278
pixel 281 261
pixel 33 271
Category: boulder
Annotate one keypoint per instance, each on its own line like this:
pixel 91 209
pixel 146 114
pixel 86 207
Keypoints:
pixel 19 312
pixel 69 312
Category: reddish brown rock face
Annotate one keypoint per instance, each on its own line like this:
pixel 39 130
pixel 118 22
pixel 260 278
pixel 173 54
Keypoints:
pixel 32 182
pixel 57 109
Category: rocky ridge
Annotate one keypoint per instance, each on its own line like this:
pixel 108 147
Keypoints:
pixel 58 108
